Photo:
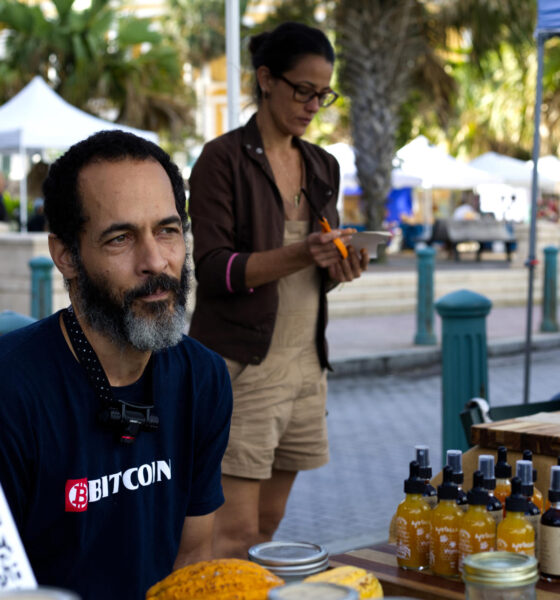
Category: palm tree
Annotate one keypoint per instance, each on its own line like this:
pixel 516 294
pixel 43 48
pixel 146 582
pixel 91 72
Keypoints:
pixel 98 60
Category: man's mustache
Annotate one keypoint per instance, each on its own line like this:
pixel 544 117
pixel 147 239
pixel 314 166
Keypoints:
pixel 161 282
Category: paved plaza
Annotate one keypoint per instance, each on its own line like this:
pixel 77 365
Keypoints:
pixel 374 424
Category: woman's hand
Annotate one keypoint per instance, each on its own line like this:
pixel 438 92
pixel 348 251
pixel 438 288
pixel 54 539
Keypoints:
pixel 322 249
pixel 351 267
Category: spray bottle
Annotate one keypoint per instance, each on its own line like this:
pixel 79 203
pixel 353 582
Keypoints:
pixel 413 524
pixel 445 518
pixel 423 459
pixel 515 533
pixel 502 471
pixel 494 506
pixel 455 461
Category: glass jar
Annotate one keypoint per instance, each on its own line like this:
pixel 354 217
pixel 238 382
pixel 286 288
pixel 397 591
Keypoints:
pixel 500 576
pixel 292 561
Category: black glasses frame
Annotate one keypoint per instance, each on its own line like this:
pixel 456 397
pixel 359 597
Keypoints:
pixel 325 98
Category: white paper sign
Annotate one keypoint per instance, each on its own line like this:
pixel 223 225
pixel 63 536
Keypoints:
pixel 15 570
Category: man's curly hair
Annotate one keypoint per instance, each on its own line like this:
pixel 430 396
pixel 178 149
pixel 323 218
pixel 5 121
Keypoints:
pixel 63 204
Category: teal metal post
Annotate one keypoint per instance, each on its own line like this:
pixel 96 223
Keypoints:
pixel 10 320
pixel 464 357
pixel 41 286
pixel 549 300
pixel 425 297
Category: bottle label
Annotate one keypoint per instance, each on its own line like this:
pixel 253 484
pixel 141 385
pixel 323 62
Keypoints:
pixel 549 550
pixel 444 550
pixel 413 540
pixel 523 547
pixel 470 543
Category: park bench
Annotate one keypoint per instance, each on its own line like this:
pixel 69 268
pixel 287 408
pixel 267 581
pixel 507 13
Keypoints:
pixel 484 231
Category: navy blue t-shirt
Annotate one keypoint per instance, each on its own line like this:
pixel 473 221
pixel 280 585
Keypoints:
pixel 96 516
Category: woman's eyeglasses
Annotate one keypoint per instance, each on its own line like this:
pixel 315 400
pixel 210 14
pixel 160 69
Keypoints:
pixel 305 93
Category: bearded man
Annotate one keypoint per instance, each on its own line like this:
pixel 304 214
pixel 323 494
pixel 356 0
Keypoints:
pixel 114 422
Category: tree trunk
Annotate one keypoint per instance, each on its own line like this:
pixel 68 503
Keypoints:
pixel 378 41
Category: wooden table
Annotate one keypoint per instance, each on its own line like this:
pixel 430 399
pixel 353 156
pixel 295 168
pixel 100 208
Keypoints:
pixel 380 559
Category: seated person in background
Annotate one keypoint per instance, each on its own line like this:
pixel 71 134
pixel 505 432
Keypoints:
pixel 468 207
pixel 114 423
pixel 37 222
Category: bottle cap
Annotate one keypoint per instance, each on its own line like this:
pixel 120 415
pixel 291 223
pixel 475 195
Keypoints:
pixel 486 466
pixel 516 502
pixel 528 455
pixel 423 459
pixel 524 470
pixel 554 491
pixel 454 460
pixel 478 494
pixel 414 484
pixel 448 490
pixel 502 469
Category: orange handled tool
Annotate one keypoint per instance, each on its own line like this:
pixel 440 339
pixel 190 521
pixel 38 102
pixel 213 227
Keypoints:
pixel 337 241
pixel 325 226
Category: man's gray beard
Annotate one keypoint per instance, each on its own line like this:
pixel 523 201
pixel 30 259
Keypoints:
pixel 117 320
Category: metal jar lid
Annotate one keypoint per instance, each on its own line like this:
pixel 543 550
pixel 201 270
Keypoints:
pixel 500 569
pixel 317 590
pixel 290 559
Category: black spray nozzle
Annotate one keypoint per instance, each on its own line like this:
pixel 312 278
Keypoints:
pixel 455 461
pixel 524 470
pixel 528 455
pixel 414 484
pixel 554 490
pixel 502 469
pixel 486 466
pixel 516 502
pixel 423 459
pixel 478 494
pixel 448 489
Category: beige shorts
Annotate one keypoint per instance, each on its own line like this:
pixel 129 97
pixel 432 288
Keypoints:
pixel 279 417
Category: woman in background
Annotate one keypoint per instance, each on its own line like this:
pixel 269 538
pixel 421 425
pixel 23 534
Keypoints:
pixel 264 267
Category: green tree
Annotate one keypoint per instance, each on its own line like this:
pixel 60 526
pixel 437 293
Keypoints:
pixel 99 60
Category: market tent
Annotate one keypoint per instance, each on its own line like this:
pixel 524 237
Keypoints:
pixel 349 182
pixel 437 169
pixel 37 118
pixel 512 171
pixel 549 167
pixel 344 154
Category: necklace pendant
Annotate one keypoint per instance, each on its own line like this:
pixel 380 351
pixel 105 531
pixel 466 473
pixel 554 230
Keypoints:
pixel 297 199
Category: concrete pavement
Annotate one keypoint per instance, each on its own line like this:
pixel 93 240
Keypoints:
pixel 385 398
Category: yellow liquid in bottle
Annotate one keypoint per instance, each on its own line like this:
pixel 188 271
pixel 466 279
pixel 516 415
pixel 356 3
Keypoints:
pixel 477 532
pixel 444 540
pixel 502 491
pixel 413 533
pixel 515 534
pixel 537 499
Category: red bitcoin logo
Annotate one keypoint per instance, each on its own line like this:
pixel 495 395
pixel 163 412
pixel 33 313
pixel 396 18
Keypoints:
pixel 76 495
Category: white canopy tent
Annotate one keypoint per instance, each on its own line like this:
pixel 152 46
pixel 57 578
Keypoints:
pixel 344 154
pixel 37 119
pixel 437 169
pixel 512 171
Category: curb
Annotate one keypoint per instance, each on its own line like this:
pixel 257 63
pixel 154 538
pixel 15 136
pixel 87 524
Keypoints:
pixel 409 359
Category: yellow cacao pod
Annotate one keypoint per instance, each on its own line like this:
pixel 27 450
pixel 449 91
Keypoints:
pixel 220 579
pixel 365 582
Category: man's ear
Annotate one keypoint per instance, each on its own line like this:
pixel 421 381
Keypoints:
pixel 62 257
